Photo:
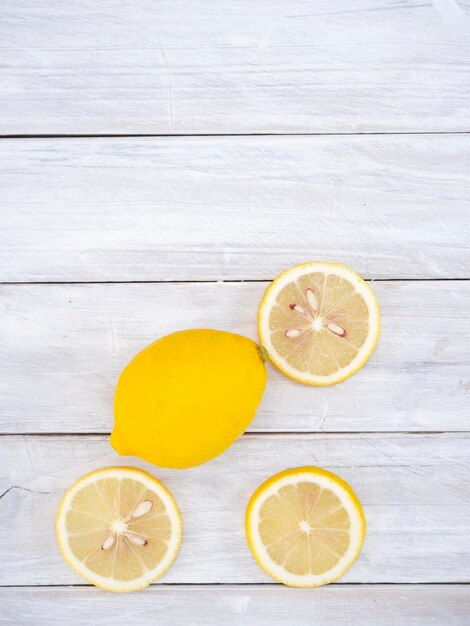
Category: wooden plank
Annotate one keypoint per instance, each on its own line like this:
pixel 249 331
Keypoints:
pixel 414 490
pixel 62 348
pixel 231 67
pixel 234 605
pixel 233 208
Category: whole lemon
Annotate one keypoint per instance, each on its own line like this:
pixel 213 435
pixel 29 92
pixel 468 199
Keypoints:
pixel 187 397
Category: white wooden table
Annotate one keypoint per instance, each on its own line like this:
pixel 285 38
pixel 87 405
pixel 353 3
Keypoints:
pixel 160 163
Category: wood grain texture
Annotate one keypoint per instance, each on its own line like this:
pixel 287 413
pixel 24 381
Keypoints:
pixel 237 208
pixel 232 605
pixel 62 348
pixel 234 66
pixel 414 490
pixel 233 208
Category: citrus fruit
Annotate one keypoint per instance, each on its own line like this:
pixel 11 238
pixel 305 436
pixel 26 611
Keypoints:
pixel 187 397
pixel 305 526
pixel 319 323
pixel 119 528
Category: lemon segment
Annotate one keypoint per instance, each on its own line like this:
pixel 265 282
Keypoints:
pixel 319 323
pixel 119 528
pixel 305 527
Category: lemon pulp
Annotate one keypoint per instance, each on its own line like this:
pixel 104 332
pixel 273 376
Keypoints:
pixel 305 526
pixel 319 322
pixel 119 528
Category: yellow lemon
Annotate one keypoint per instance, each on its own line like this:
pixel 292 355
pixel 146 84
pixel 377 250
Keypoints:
pixel 319 323
pixel 187 397
pixel 305 526
pixel 119 528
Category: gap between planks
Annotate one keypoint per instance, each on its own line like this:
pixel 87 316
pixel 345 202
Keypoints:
pixel 179 135
pixel 259 584
pixel 214 281
pixel 273 434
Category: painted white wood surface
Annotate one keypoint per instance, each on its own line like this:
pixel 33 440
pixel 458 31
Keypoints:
pixel 233 208
pixel 62 348
pixel 185 66
pixel 237 208
pixel 233 605
pixel 414 489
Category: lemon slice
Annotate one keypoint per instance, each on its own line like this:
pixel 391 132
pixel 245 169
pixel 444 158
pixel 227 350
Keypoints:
pixel 119 528
pixel 319 323
pixel 305 527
